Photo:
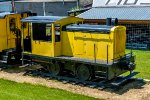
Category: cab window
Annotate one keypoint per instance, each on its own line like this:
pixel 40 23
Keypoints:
pixel 41 31
pixel 12 24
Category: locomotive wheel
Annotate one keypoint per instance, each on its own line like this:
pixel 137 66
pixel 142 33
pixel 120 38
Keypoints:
pixel 83 73
pixel 54 68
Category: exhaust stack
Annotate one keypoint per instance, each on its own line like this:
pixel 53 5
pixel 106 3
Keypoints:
pixel 112 21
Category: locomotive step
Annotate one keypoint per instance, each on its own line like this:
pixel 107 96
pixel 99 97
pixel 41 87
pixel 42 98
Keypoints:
pixel 4 57
pixel 6 52
pixel 101 73
pixel 2 61
pixel 100 77
pixel 124 79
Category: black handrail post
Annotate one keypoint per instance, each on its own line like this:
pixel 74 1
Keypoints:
pixel 95 52
pixel 107 54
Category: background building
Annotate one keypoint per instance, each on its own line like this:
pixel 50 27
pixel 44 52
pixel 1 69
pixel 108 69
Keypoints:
pixel 84 3
pixel 46 7
pixel 134 14
pixel 99 3
pixel 5 6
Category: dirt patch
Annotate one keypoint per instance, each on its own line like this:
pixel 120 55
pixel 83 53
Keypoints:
pixel 134 90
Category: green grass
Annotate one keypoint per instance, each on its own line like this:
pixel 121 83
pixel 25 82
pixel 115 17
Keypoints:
pixel 142 63
pixel 22 91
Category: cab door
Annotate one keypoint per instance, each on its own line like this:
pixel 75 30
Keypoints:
pixel 42 39
pixel 12 24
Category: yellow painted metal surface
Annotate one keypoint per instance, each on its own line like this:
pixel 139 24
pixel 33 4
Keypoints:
pixel 69 20
pixel 95 45
pixel 7 36
pixel 42 48
pixel 3 35
pixel 67 43
pixel 119 41
pixel 57 49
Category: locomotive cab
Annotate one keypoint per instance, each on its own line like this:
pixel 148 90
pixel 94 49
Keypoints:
pixel 46 34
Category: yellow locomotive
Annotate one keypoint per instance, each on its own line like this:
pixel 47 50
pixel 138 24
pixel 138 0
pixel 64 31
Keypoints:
pixel 10 35
pixel 86 51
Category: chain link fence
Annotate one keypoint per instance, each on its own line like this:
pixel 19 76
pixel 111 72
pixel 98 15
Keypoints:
pixel 138 36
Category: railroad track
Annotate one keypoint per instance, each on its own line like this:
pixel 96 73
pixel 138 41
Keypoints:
pixel 68 78
pixel 65 78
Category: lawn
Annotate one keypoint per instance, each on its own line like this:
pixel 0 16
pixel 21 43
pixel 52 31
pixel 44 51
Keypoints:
pixel 22 91
pixel 142 63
